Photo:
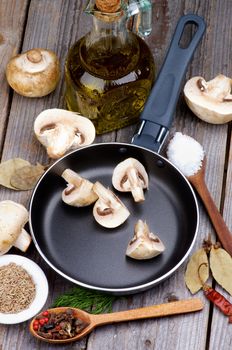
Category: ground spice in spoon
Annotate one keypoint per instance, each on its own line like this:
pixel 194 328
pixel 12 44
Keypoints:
pixel 17 289
pixel 185 153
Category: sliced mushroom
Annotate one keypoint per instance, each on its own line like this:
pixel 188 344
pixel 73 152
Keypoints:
pixel 61 131
pixel 131 176
pixel 79 191
pixel 34 73
pixel 210 101
pixel 108 211
pixel 13 217
pixel 144 244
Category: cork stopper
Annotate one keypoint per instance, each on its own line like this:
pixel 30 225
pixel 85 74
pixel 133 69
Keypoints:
pixel 108 6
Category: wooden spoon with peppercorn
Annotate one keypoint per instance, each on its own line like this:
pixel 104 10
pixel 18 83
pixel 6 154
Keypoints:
pixel 64 324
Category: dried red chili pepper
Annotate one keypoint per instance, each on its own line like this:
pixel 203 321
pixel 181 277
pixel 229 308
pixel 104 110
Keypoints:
pixel 216 298
pixel 219 300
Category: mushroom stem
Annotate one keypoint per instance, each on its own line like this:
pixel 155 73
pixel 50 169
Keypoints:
pixel 141 229
pixel 144 244
pixel 34 56
pixel 72 177
pixel 79 191
pixel 136 185
pixel 131 176
pixel 23 241
pixel 201 83
pixel 107 196
pixel 108 211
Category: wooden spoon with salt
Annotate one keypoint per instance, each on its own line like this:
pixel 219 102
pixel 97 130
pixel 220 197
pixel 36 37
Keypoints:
pixel 92 321
pixel 224 234
pixel 188 155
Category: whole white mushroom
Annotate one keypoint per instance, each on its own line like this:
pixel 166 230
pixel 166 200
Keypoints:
pixel 34 73
pixel 13 217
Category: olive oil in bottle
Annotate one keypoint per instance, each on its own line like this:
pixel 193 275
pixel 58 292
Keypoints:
pixel 109 73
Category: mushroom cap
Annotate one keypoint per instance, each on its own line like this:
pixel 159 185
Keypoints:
pixel 108 211
pixel 13 217
pixel 144 245
pixel 210 101
pixel 60 131
pixel 34 73
pixel 79 192
pixel 130 176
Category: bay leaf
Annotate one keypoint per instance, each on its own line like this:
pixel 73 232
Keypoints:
pixel 8 168
pixel 26 177
pixel 221 267
pixel 197 271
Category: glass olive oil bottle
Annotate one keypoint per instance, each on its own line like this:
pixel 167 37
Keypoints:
pixel 109 72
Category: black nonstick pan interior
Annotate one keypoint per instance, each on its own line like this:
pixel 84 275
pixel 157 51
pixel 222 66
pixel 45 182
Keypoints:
pixel 81 250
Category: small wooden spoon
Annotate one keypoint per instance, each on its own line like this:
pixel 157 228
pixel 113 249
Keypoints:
pixel 224 234
pixel 92 321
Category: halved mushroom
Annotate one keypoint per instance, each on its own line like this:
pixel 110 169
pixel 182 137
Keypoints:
pixel 210 101
pixel 13 217
pixel 79 191
pixel 61 131
pixel 144 244
pixel 34 73
pixel 131 176
pixel 108 211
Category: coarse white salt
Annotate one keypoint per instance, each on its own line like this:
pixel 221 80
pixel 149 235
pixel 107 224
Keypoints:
pixel 185 153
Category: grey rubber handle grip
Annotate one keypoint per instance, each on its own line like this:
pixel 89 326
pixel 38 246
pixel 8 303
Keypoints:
pixel 159 109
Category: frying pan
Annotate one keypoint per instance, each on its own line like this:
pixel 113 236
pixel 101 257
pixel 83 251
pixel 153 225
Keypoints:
pixel 82 251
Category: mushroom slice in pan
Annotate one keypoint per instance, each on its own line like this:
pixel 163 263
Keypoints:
pixel 13 217
pixel 108 211
pixel 61 131
pixel 211 100
pixel 79 191
pixel 131 176
pixel 144 244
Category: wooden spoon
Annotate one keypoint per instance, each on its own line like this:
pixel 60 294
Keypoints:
pixel 224 235
pixel 92 321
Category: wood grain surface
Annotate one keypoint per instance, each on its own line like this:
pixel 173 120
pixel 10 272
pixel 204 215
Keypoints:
pixel 56 25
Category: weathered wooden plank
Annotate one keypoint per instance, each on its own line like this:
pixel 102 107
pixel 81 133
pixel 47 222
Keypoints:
pixel 220 323
pixel 221 332
pixel 54 25
pixel 190 331
pixel 12 18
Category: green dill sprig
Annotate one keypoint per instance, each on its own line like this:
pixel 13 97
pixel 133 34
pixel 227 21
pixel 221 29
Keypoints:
pixel 92 301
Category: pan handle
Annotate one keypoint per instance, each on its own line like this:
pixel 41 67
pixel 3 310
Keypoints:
pixel 159 109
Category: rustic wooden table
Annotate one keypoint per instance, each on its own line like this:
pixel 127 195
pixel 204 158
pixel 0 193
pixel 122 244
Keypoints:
pixel 56 24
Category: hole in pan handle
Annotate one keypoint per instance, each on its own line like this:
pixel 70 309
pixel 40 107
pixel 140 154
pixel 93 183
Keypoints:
pixel 159 109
